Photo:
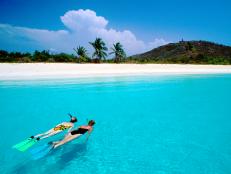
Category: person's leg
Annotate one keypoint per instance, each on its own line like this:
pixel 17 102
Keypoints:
pixel 51 134
pixel 45 133
pixel 68 138
pixel 48 133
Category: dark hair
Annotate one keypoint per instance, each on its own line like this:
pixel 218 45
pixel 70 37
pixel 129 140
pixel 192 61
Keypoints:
pixel 91 122
pixel 73 119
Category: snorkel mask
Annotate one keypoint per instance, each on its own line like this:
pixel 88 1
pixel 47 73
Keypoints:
pixel 73 119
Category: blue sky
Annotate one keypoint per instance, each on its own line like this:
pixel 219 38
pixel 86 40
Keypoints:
pixel 60 25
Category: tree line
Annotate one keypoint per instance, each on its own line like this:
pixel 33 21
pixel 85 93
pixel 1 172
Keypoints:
pixel 190 52
pixel 99 55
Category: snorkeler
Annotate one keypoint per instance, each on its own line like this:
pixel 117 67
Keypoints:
pixel 26 144
pixel 76 134
pixel 57 129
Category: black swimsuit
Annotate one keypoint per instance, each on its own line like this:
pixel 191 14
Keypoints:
pixel 79 131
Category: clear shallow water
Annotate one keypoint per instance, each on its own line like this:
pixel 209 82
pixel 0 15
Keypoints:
pixel 175 124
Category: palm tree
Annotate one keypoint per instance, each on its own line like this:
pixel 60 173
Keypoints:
pixel 82 53
pixel 100 48
pixel 118 51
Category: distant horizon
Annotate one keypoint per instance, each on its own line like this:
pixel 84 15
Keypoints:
pixel 139 26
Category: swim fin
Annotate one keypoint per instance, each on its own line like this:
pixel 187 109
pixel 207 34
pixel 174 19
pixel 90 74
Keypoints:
pixel 22 143
pixel 28 145
pixel 38 149
pixel 41 151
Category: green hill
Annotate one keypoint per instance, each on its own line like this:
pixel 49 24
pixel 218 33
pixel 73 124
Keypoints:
pixel 192 52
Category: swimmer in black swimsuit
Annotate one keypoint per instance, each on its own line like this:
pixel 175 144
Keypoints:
pixel 79 131
pixel 76 133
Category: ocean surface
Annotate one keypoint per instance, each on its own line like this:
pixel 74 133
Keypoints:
pixel 144 125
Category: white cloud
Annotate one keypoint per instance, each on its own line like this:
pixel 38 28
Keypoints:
pixel 82 26
pixel 157 42
pixel 82 20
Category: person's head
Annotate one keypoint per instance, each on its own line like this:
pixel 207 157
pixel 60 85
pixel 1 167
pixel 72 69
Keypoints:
pixel 73 119
pixel 91 123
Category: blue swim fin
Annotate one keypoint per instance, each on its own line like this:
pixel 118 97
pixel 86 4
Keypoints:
pixel 41 151
pixel 38 149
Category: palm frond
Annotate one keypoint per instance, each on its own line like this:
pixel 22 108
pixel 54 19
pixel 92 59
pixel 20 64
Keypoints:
pixel 100 48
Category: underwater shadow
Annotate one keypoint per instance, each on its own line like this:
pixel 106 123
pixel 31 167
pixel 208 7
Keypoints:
pixel 75 151
pixel 23 167
pixel 64 156
pixel 20 169
pixel 68 154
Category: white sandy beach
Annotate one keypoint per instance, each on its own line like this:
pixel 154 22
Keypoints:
pixel 22 71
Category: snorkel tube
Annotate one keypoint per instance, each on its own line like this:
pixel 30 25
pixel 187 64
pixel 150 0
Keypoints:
pixel 70 115
pixel 73 119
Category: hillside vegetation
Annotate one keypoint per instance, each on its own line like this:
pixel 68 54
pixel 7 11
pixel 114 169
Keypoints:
pixel 187 52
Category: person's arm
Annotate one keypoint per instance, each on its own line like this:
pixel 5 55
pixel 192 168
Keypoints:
pixel 89 133
pixel 70 129
pixel 48 132
pixel 58 125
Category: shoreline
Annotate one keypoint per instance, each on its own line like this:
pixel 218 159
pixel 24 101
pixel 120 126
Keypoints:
pixel 34 71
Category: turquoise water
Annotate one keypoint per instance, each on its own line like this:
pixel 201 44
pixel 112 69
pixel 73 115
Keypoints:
pixel 163 125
